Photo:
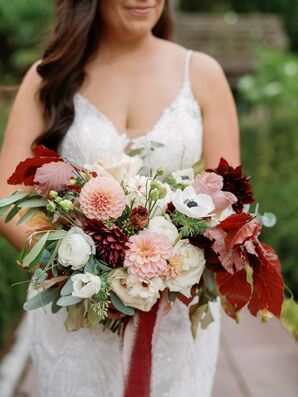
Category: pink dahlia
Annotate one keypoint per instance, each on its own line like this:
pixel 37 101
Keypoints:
pixel 102 198
pixel 148 254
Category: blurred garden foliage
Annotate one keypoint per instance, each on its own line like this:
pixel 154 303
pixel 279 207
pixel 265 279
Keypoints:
pixel 287 9
pixel 24 27
pixel 11 298
pixel 268 103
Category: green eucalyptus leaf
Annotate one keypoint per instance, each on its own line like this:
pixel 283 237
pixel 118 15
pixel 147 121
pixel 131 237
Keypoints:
pixel 103 265
pixel 35 251
pixel 33 203
pixel 45 257
pixel 68 300
pixel 12 213
pixel 43 298
pixel 129 311
pixel 13 198
pixel 35 261
pixel 24 252
pixel 68 286
pixel 56 235
pixel 29 215
pixel 39 276
pixel 54 307
pixel 3 210
pixel 91 266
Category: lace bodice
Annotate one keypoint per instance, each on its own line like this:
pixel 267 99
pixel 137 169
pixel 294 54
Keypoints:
pixel 87 363
pixel 179 130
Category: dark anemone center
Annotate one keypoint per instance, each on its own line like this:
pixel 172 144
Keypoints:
pixel 191 203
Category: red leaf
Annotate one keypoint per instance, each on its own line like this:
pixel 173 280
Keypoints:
pixel 268 284
pixel 42 151
pixel 234 288
pixel 25 170
pixel 239 228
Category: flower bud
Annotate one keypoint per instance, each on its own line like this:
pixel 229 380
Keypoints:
pixel 154 194
pixel 51 206
pixel 53 194
pixel 67 205
pixel 162 193
pixel 159 172
pixel 139 217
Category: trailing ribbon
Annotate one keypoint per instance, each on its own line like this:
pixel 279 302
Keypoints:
pixel 139 339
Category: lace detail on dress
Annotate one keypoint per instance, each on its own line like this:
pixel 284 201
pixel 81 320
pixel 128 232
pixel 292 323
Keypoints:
pixel 87 363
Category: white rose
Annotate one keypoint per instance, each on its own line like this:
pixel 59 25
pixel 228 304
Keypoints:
pixel 121 166
pixel 134 291
pixel 184 177
pixel 75 249
pixel 191 204
pixel 192 267
pixel 85 285
pixel 159 224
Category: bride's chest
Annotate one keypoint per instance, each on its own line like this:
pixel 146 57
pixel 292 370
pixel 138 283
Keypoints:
pixel 175 141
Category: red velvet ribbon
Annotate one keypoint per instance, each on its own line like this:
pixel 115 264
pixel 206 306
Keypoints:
pixel 138 382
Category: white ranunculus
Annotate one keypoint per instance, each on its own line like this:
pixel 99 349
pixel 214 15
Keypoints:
pixel 75 249
pixel 191 204
pixel 85 285
pixel 159 224
pixel 193 265
pixel 121 166
pixel 134 291
pixel 184 177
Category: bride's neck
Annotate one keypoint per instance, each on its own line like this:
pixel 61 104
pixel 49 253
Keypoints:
pixel 112 46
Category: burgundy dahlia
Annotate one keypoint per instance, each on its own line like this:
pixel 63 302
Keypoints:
pixel 110 243
pixel 235 182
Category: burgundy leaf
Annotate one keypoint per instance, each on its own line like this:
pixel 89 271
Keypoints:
pixel 234 287
pixel 268 284
pixel 25 170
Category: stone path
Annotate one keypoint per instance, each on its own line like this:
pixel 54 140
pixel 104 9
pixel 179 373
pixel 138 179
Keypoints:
pixel 255 360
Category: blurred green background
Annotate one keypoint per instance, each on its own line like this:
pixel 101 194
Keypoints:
pixel 267 103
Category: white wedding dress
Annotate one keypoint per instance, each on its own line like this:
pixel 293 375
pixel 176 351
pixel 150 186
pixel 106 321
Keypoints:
pixel 87 363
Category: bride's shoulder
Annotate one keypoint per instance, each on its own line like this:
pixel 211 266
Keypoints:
pixel 207 77
pixel 206 65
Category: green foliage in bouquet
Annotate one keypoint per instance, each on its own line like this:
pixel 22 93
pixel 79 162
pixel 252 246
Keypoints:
pixel 268 112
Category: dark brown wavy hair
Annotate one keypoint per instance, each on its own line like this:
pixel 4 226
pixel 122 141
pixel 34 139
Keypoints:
pixel 74 41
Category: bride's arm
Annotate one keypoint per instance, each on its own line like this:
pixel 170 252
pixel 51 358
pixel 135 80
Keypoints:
pixel 220 121
pixel 24 125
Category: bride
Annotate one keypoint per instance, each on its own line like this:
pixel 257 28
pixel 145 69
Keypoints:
pixel 110 78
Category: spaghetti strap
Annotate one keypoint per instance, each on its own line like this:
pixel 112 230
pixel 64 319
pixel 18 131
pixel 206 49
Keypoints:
pixel 187 66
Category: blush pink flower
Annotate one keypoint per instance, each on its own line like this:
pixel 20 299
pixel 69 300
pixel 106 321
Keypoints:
pixel 102 198
pixel 212 184
pixel 148 254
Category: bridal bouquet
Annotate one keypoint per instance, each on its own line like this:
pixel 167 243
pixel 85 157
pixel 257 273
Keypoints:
pixel 110 244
